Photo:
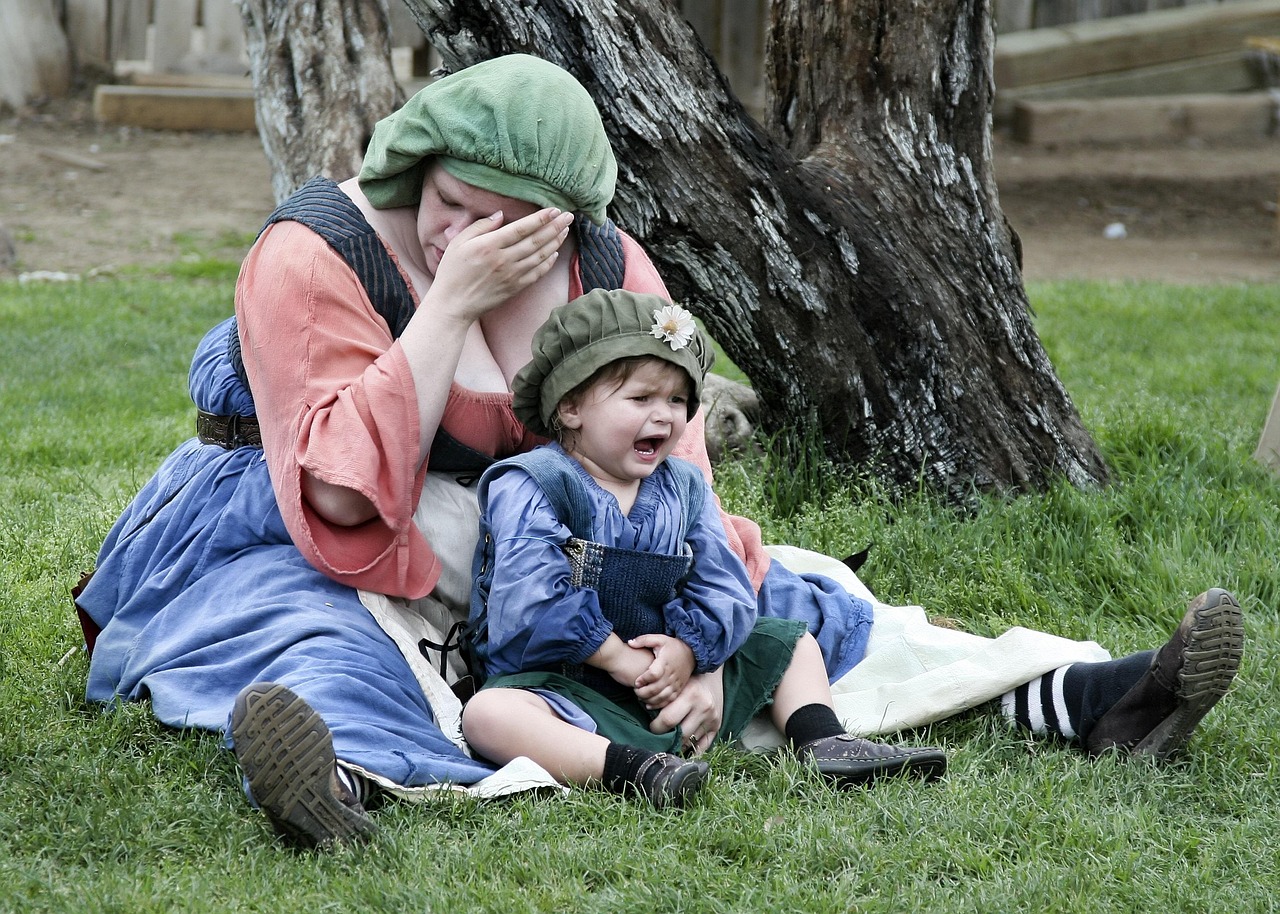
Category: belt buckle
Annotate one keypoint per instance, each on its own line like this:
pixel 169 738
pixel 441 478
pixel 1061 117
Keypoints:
pixel 234 437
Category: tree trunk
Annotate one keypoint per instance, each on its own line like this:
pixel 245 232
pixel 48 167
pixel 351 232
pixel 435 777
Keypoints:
pixel 322 78
pixel 35 61
pixel 851 257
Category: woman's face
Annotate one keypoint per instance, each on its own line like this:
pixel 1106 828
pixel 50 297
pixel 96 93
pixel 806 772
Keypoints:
pixel 449 206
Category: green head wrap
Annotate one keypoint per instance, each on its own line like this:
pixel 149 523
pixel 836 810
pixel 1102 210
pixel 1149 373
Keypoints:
pixel 601 327
pixel 517 126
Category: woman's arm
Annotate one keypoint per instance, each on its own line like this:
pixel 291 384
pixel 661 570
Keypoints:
pixel 336 403
pixel 698 709
pixel 347 413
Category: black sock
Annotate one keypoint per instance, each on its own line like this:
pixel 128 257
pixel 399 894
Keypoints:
pixel 1068 701
pixel 622 765
pixel 1095 687
pixel 815 721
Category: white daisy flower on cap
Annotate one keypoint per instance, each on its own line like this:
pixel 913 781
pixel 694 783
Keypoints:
pixel 674 326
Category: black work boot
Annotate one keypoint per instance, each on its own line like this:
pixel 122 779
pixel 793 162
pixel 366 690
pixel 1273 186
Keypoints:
pixel 850 760
pixel 286 752
pixel 1187 677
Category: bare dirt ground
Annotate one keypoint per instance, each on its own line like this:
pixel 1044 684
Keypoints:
pixel 77 197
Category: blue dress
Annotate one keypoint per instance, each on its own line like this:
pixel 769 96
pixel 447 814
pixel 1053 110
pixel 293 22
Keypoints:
pixel 838 621
pixel 199 591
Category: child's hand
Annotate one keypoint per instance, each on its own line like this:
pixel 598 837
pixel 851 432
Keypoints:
pixel 671 668
pixel 622 661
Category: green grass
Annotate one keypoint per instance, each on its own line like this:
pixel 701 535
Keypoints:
pixel 107 811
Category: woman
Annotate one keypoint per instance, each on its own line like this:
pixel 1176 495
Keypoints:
pixel 378 326
pixel 360 339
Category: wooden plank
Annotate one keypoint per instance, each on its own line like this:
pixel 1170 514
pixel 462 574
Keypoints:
pixel 130 20
pixel 1120 120
pixel 1049 13
pixel 1110 8
pixel 193 81
pixel 1266 43
pixel 86 27
pixel 1268 452
pixel 171 108
pixel 63 157
pixel 405 31
pixel 1233 72
pixel 1125 42
pixel 223 30
pixel 1013 15
pixel 175 24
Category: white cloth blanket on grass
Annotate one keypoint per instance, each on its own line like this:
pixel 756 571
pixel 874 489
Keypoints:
pixel 914 672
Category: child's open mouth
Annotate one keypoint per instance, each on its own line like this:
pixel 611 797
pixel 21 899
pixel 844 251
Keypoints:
pixel 647 447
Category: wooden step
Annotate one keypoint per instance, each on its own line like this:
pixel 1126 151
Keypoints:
pixel 175 107
pixel 1167 117
pixel 1237 71
pixel 1122 43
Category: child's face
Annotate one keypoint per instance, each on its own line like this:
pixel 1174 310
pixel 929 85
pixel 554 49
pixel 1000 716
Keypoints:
pixel 621 433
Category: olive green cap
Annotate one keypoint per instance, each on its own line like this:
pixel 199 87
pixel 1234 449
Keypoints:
pixel 600 327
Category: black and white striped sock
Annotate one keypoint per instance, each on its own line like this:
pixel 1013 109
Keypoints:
pixel 358 784
pixel 1042 705
pixel 1068 701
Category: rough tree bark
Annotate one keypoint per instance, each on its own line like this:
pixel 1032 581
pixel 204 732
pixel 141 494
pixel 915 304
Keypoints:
pixel 35 59
pixel 850 255
pixel 322 78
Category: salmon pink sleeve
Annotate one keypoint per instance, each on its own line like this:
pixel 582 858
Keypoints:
pixel 744 535
pixel 335 398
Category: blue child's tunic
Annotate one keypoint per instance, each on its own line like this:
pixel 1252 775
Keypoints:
pixel 535 622
pixel 538 618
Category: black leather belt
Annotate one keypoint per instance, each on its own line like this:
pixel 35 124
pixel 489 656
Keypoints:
pixel 229 432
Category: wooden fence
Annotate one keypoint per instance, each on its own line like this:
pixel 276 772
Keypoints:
pixel 161 36
pixel 1018 15
pixel 192 36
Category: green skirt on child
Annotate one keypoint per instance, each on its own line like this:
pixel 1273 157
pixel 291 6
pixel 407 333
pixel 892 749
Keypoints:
pixel 751 676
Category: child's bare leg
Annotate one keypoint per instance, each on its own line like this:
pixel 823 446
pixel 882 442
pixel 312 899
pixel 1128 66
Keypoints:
pixel 802 710
pixel 502 724
pixel 804 683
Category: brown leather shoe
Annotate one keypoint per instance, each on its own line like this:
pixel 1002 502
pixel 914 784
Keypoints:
pixel 1188 675
pixel 286 752
pixel 849 760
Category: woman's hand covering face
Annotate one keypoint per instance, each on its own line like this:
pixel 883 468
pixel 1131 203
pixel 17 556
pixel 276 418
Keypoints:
pixel 483 248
